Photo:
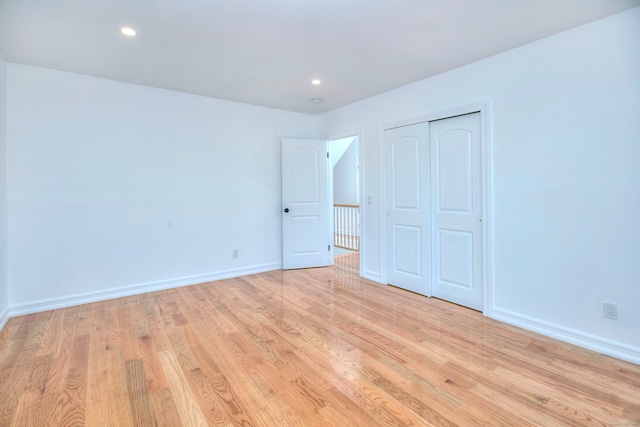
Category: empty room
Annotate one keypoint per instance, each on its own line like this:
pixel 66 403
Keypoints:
pixel 320 213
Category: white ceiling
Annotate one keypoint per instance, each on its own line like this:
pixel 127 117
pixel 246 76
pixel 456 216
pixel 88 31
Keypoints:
pixel 266 52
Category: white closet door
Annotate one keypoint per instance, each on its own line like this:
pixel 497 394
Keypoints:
pixel 456 215
pixel 407 180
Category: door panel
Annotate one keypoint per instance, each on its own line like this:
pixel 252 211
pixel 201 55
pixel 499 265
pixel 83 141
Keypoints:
pixel 456 217
pixel 453 246
pixel 454 177
pixel 408 250
pixel 305 204
pixel 407 149
pixel 405 152
pixel 306 185
pixel 306 232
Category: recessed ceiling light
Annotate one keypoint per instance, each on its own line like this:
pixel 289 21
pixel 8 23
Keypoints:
pixel 316 82
pixel 128 31
pixel 316 100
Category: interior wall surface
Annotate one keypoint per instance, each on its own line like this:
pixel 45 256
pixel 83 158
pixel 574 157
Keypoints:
pixel 116 188
pixel 566 182
pixel 345 176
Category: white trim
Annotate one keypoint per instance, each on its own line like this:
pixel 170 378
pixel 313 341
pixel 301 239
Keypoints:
pixel 373 276
pixel 382 185
pixel 609 347
pixel 486 124
pixel 330 202
pixel 601 345
pixel 141 288
pixel 485 107
pixel 472 107
pixel 4 318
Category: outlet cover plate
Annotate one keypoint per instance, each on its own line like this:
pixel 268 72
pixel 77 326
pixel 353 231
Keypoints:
pixel 610 310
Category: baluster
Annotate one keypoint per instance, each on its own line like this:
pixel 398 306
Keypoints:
pixel 342 226
pixel 346 228
pixel 351 227
pixel 335 226
pixel 358 229
pixel 346 231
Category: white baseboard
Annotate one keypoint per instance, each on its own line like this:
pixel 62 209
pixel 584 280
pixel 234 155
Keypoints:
pixel 591 342
pixel 84 298
pixel 582 339
pixel 375 277
pixel 4 317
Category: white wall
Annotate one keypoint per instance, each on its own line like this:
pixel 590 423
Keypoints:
pixel 345 175
pixel 116 188
pixel 566 147
pixel 4 291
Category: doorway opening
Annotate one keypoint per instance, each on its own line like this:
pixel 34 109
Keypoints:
pixel 345 195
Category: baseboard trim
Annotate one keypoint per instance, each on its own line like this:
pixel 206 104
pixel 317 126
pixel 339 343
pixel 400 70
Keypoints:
pixel 581 339
pixel 4 318
pixel 591 342
pixel 375 277
pixel 141 288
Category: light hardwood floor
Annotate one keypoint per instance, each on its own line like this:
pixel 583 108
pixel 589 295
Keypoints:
pixel 316 347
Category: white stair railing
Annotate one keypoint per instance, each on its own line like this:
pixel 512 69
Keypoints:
pixel 346 226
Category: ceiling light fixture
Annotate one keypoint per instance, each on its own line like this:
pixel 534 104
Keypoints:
pixel 128 31
pixel 316 100
pixel 315 82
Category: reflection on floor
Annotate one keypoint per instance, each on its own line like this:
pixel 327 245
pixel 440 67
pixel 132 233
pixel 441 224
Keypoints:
pixel 337 250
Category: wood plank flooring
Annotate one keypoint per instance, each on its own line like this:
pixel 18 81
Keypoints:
pixel 316 347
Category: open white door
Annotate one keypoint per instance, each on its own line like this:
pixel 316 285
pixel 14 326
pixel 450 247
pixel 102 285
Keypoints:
pixel 305 204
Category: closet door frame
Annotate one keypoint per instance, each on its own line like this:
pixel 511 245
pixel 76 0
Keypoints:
pixel 484 107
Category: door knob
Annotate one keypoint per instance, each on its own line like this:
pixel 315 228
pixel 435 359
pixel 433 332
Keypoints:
pixel 286 209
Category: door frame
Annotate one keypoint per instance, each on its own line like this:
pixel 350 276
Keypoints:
pixel 362 253
pixel 484 107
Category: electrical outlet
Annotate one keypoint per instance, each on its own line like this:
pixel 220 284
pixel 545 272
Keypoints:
pixel 234 253
pixel 610 311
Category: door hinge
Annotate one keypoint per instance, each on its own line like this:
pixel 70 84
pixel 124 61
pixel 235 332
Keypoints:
pixel 328 247
pixel 327 154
